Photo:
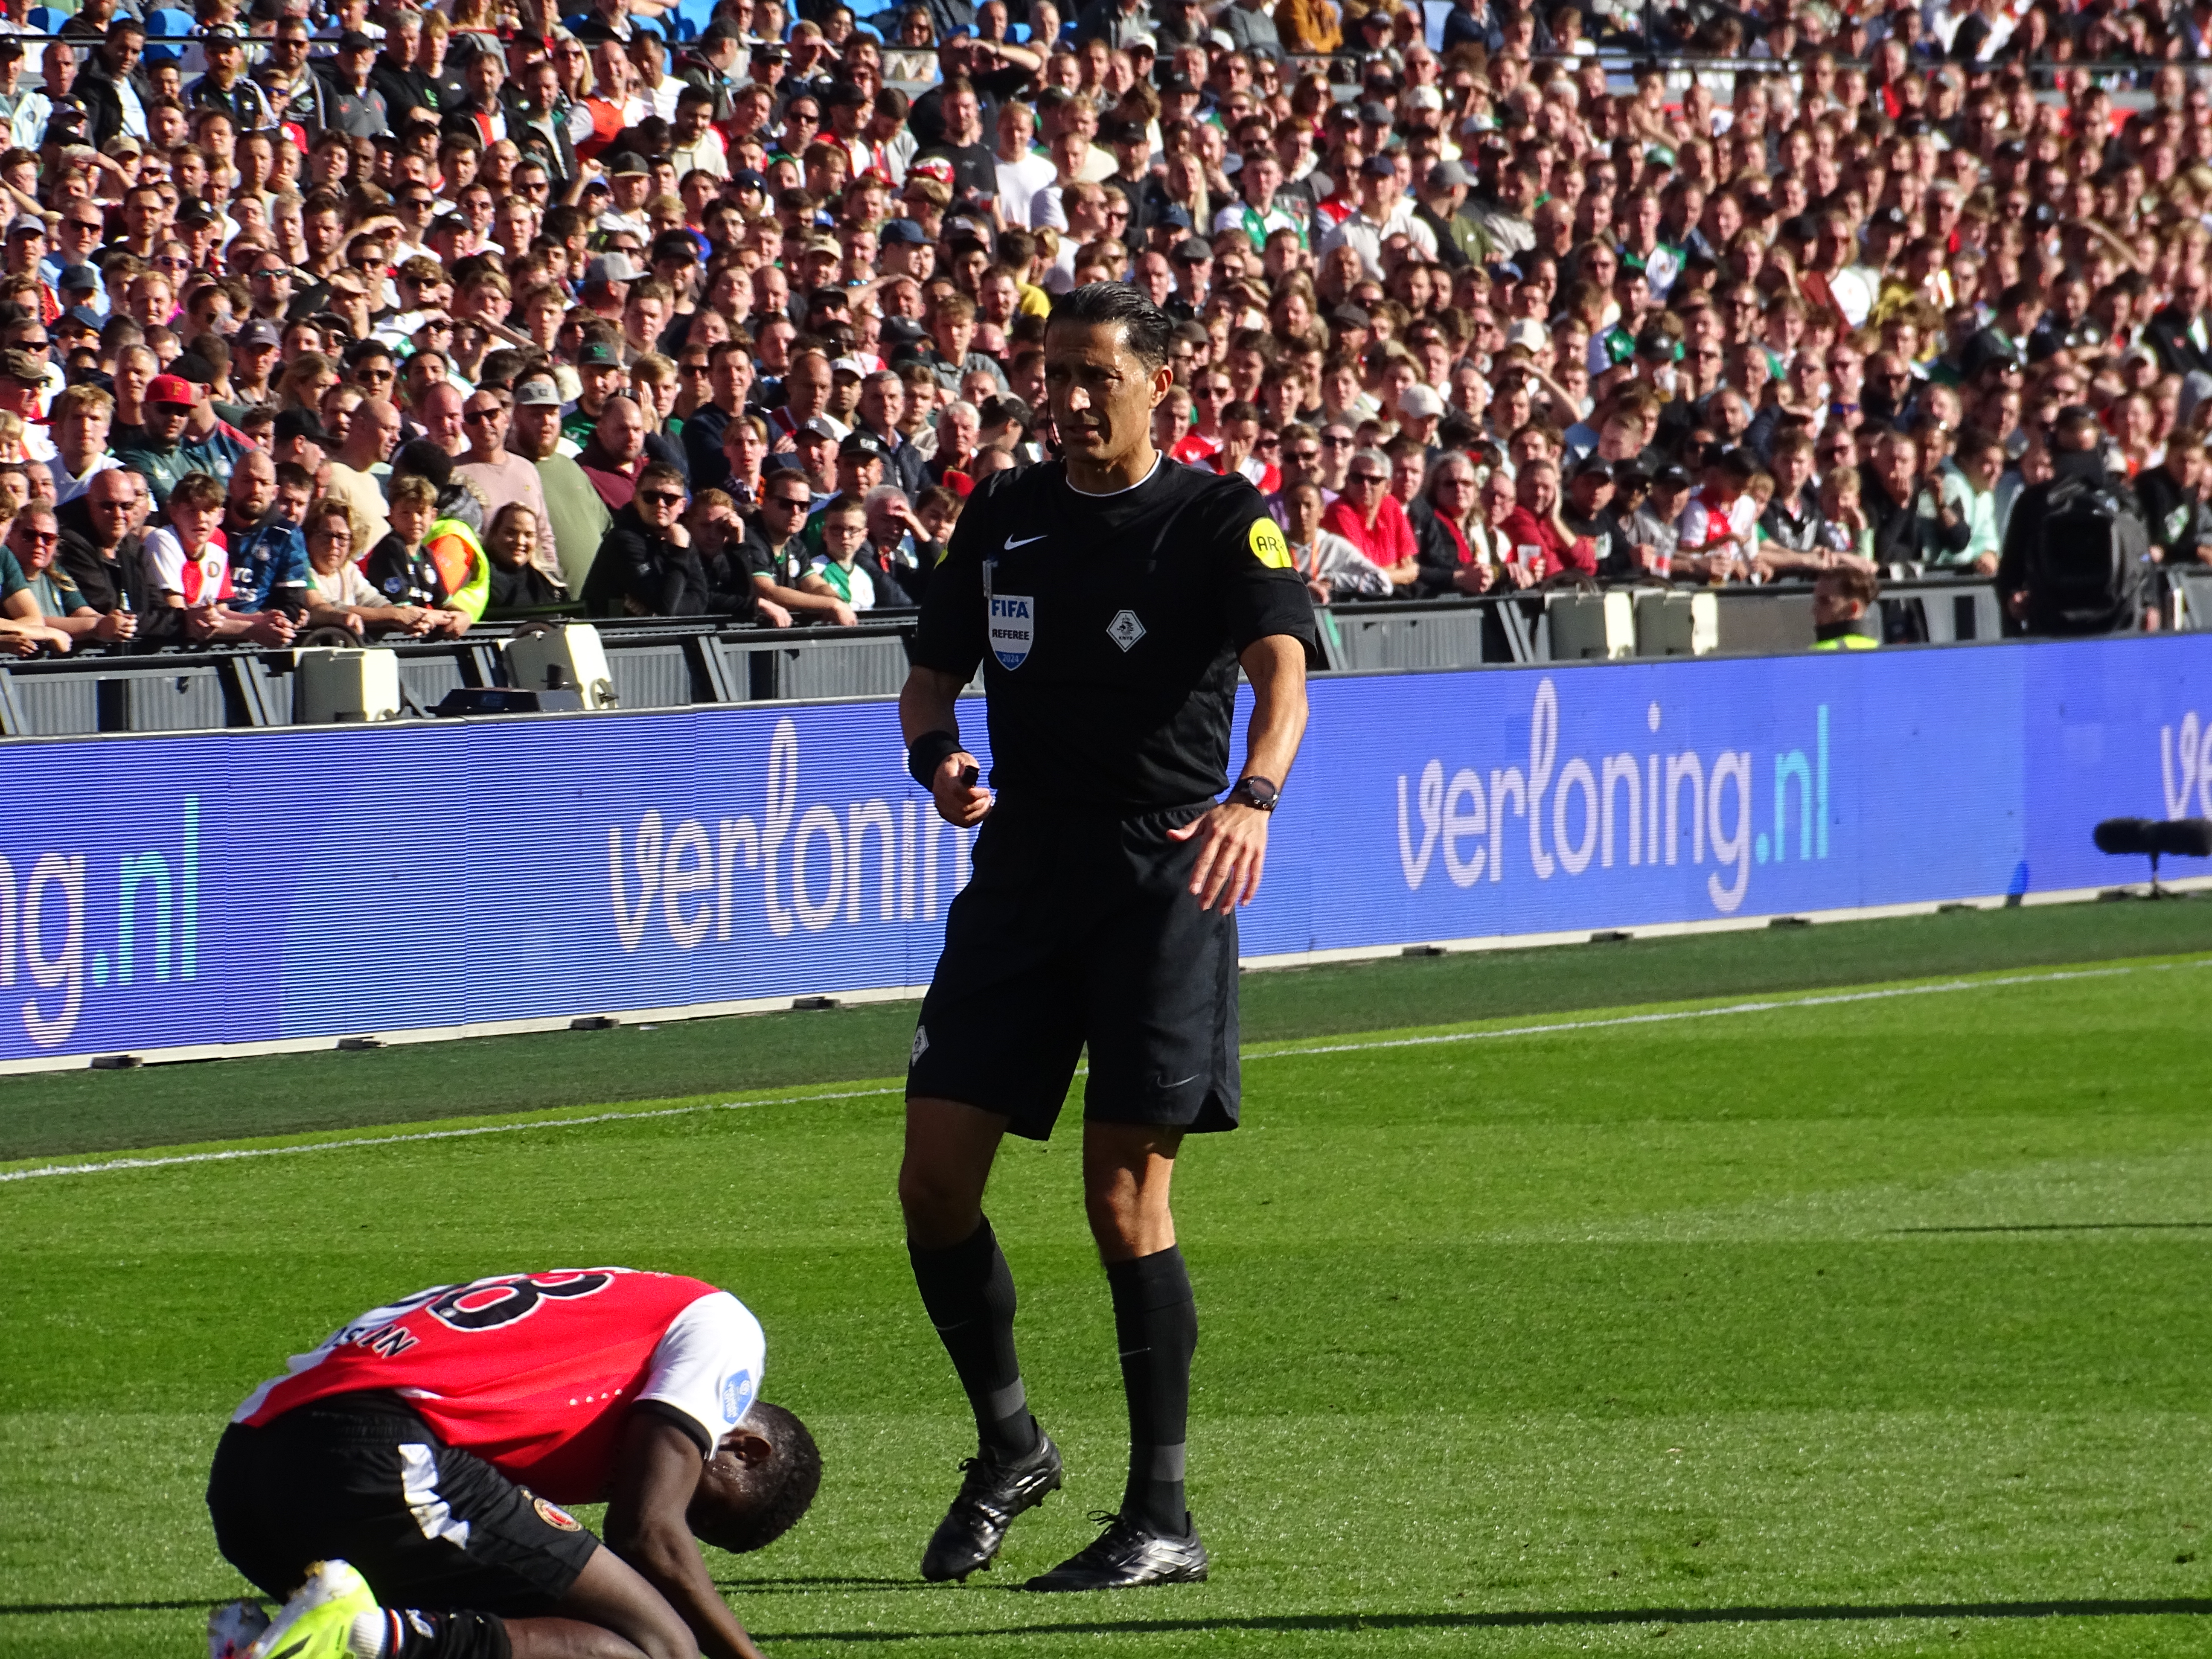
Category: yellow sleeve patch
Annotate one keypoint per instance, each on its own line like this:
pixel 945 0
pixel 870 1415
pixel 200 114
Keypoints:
pixel 1268 546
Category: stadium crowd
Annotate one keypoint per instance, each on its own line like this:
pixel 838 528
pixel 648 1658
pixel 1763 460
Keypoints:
pixel 394 322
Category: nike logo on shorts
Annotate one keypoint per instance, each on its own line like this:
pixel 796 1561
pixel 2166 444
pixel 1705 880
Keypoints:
pixel 1011 543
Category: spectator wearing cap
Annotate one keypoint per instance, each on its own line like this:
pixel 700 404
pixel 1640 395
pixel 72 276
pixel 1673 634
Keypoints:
pixel 226 86
pixel 352 102
pixel 600 375
pixel 574 507
pixel 1443 194
pixel 80 421
pixel 22 390
pixel 814 454
pixel 1420 413
pixel 1382 214
pixel 631 182
pixel 25 251
pixel 296 438
pixel 253 354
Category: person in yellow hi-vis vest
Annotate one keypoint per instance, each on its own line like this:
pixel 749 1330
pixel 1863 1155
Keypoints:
pixel 454 540
pixel 1843 598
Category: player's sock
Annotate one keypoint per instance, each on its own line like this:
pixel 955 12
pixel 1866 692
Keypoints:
pixel 396 1633
pixel 969 1292
pixel 1156 1321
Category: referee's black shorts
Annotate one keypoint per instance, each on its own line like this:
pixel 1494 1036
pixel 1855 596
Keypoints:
pixel 1081 929
pixel 362 1479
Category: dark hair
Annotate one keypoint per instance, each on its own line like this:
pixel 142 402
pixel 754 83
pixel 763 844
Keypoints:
pixel 424 460
pixel 1851 582
pixel 787 1482
pixel 1146 329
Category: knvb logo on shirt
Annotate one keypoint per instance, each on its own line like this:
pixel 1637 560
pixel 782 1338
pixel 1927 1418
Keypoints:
pixel 1012 627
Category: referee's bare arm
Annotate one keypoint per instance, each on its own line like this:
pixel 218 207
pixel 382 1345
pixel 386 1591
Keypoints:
pixel 928 703
pixel 1235 848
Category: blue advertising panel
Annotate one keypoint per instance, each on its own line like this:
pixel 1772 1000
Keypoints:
pixel 243 887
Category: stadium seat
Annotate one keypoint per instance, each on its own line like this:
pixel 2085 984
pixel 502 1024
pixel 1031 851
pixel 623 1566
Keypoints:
pixel 695 16
pixel 45 19
pixel 165 24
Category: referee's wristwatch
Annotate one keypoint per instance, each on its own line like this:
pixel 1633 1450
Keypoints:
pixel 1255 792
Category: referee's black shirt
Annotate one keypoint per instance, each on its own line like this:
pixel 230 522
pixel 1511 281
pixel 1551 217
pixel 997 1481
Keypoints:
pixel 1109 628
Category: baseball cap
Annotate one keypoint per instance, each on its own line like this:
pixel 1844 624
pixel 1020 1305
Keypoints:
pixel 903 231
pixel 1449 175
pixel 1426 98
pixel 1178 83
pixel 611 267
pixel 21 366
pixel 1594 466
pixel 257 331
pixel 815 426
pixel 1175 214
pixel 1657 342
pixel 863 443
pixel 1374 115
pixel 599 353
pixel 161 389
pixel 1379 166
pixel 214 37
pixel 1345 314
pixel 298 423
pixel 852 366
pixel 532 394
pixel 1671 477
pixel 24 223
pixel 355 40
pixel 1191 251
pixel 1122 133
pixel 1420 401
pixel 77 279
pixel 85 315
pixel 1527 332
pixel 628 162
pixel 746 179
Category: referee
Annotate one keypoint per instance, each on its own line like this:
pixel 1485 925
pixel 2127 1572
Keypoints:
pixel 1109 596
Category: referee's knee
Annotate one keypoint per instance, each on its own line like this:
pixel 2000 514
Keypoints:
pixel 939 1213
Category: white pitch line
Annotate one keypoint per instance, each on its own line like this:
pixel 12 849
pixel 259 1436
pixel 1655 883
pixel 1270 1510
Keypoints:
pixel 1709 1013
pixel 1667 1017
pixel 422 1135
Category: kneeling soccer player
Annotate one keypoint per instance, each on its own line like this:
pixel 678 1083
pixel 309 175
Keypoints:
pixel 402 1484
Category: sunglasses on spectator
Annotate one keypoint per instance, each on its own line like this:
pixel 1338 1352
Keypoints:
pixel 1328 442
pixel 1376 478
pixel 659 497
pixel 1211 392
pixel 376 374
pixel 796 503
pixel 491 414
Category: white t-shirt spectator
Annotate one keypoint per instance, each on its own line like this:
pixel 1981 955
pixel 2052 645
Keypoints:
pixel 199 578
pixel 1018 184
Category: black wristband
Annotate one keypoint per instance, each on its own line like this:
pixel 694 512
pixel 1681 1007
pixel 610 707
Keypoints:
pixel 926 753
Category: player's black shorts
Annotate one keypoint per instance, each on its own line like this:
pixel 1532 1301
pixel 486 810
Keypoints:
pixel 1076 929
pixel 362 1478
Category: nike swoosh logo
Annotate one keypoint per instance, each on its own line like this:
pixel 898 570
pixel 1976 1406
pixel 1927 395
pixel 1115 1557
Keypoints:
pixel 1011 543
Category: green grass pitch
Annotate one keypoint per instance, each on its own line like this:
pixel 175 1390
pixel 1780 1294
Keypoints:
pixel 1854 1324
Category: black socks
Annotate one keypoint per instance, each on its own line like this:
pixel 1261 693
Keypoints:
pixel 412 1635
pixel 1156 1323
pixel 969 1293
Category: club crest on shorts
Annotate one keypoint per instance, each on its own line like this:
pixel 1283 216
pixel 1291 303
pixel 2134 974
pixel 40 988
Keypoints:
pixel 1012 627
pixel 921 1045
pixel 554 1515
pixel 1125 631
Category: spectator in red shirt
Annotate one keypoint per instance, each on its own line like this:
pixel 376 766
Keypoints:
pixel 1535 534
pixel 1369 517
